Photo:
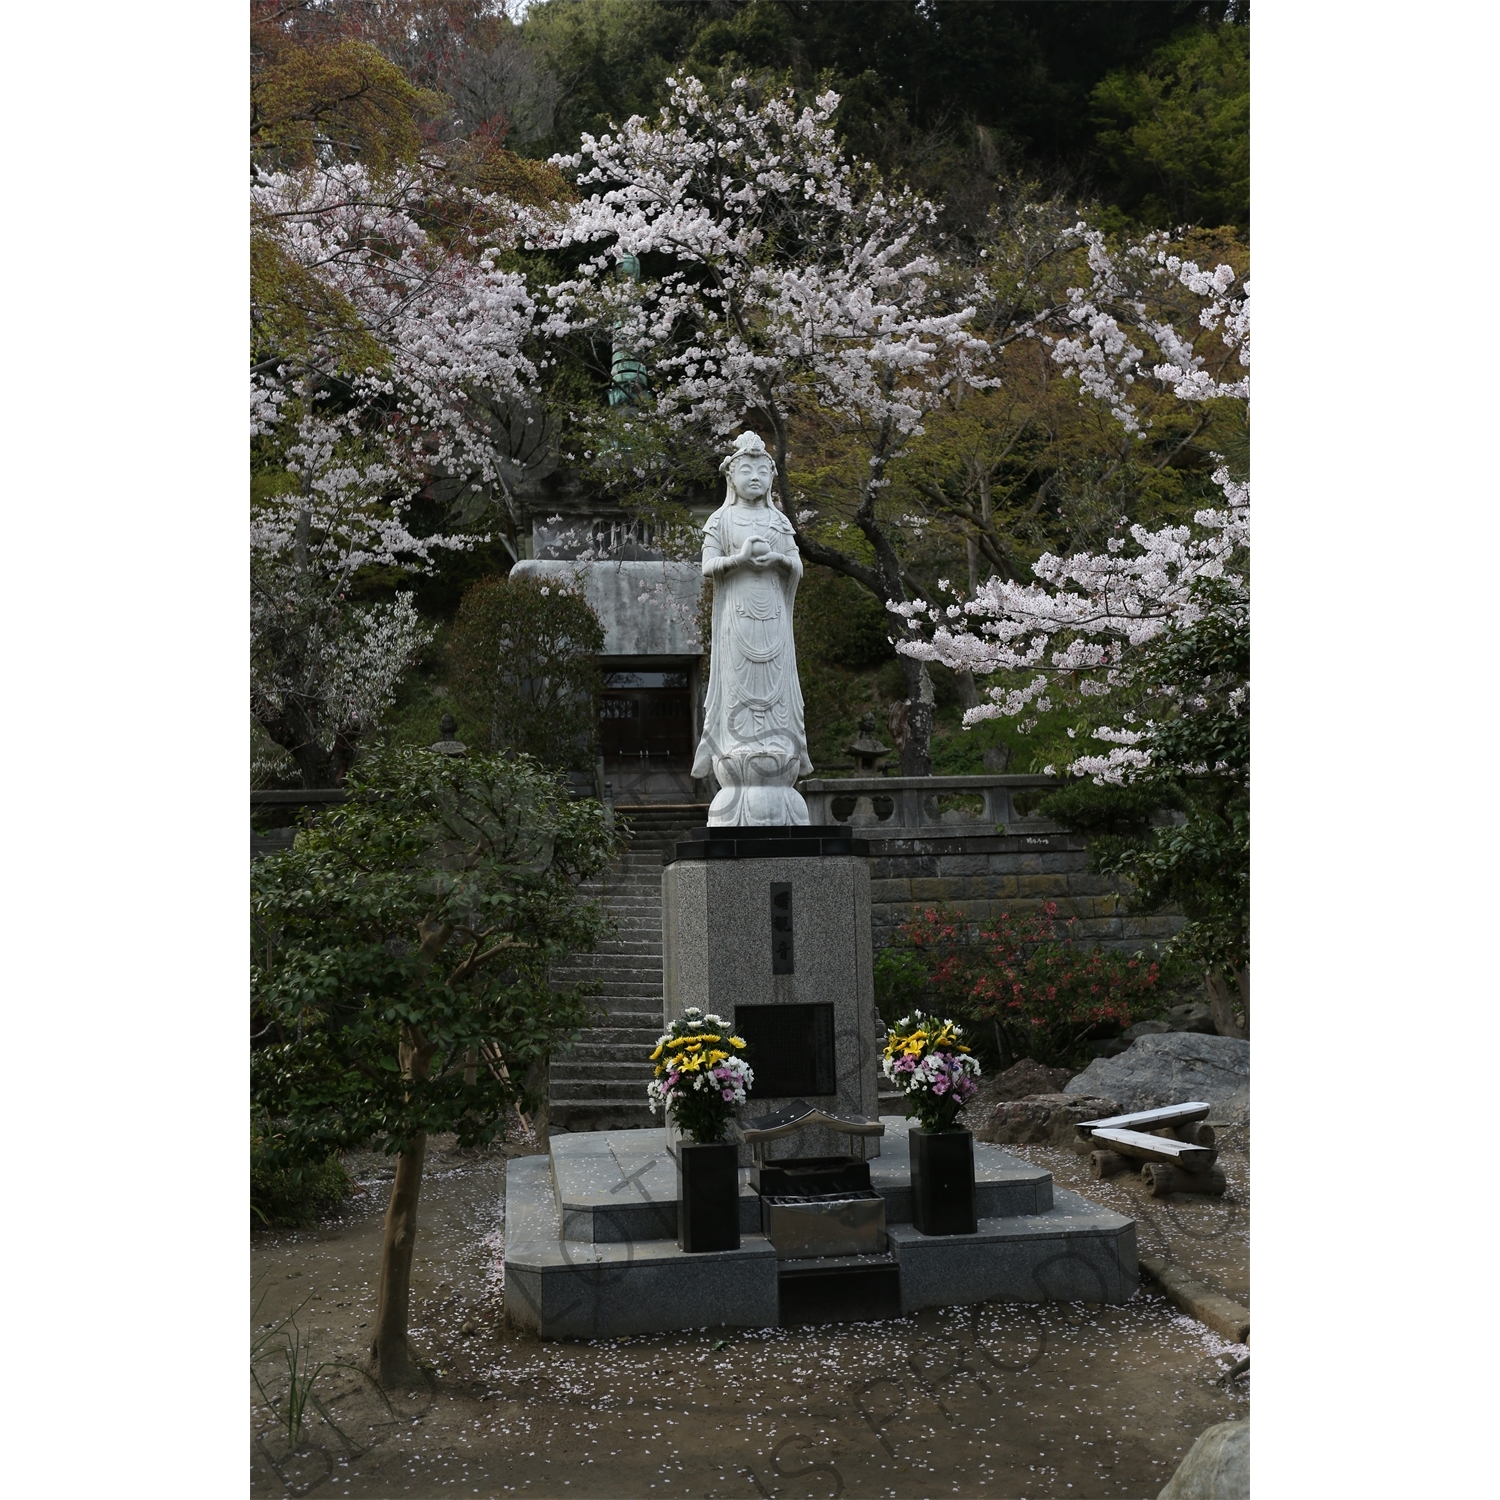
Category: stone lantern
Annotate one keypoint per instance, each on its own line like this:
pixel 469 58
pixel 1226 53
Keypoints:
pixel 448 745
pixel 867 751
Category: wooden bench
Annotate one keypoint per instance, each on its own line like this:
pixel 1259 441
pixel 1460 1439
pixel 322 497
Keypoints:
pixel 1166 1118
pixel 1172 1148
pixel 1157 1148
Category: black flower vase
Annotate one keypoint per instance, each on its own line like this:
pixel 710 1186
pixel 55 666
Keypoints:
pixel 708 1196
pixel 942 1181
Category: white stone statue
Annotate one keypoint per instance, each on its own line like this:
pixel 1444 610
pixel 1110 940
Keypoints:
pixel 753 741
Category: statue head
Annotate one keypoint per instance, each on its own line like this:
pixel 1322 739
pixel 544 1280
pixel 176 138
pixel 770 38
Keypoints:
pixel 748 469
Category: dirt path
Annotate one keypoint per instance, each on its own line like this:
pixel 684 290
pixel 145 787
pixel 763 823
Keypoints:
pixel 1208 1237
pixel 1002 1400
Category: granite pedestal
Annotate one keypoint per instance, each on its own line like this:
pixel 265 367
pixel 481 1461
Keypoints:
pixel 770 928
pixel 591 1252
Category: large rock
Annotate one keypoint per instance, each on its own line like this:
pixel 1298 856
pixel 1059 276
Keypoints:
pixel 1195 1016
pixel 1023 1079
pixel 1042 1120
pixel 1217 1466
pixel 1171 1068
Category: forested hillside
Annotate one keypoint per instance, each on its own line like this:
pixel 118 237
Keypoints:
pixel 437 304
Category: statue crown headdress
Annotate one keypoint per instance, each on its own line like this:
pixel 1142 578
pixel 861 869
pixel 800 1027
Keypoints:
pixel 746 445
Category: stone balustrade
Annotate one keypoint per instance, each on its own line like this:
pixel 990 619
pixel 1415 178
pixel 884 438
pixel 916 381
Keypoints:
pixel 911 806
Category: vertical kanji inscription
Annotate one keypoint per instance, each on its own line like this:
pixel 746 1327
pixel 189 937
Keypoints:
pixel 781 927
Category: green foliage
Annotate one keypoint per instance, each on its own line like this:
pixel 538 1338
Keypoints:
pixel 940 93
pixel 1086 808
pixel 524 668
pixel 341 96
pixel 295 1195
pixel 957 751
pixel 1175 136
pixel 1199 742
pixel 1040 991
pixel 845 662
pixel 402 953
pixel 850 626
pixel 900 983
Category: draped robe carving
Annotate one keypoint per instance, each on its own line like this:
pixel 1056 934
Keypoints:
pixel 754 740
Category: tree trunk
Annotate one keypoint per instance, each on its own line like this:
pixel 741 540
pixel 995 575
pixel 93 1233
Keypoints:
pixel 1242 983
pixel 1221 1004
pixel 1161 1179
pixel 1006 1057
pixel 390 1354
pixel 291 728
pixel 536 1084
pixel 916 753
pixel 315 765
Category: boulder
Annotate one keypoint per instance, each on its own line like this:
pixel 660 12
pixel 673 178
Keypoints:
pixel 1144 1028
pixel 1171 1068
pixel 1042 1120
pixel 1027 1077
pixel 1193 1017
pixel 1217 1466
pixel 1235 1110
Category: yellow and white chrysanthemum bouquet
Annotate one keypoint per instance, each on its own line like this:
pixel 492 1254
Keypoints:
pixel 699 1075
pixel 926 1057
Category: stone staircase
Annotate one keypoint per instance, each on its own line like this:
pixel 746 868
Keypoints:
pixel 600 1083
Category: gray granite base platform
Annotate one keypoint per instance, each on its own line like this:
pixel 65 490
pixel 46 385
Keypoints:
pixel 591 1252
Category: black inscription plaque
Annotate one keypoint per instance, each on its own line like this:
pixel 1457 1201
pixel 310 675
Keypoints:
pixel 790 1047
pixel 781 927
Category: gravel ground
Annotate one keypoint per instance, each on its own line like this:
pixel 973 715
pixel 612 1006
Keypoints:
pixel 1001 1399
pixel 1208 1237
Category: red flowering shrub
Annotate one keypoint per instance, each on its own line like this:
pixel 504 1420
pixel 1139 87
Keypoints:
pixel 1024 975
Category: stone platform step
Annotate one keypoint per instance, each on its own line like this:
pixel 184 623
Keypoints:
pixel 589 1115
pixel 618 1188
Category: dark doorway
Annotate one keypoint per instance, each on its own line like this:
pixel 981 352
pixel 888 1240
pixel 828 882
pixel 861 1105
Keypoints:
pixel 646 721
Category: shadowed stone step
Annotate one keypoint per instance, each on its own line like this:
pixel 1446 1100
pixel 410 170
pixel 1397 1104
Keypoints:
pixel 600 1083
pixel 613 1070
pixel 578 1091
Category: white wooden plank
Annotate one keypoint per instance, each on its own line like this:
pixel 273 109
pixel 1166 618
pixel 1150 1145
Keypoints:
pixel 1155 1148
pixel 1148 1119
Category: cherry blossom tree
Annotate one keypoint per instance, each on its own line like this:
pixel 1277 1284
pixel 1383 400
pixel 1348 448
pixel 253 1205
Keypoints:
pixel 1157 623
pixel 782 287
pixel 392 356
pixel 1073 627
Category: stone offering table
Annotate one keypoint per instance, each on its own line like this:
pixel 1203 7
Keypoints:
pixel 590 1248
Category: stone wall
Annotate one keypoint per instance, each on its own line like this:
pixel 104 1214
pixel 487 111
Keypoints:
pixel 665 626
pixel 983 875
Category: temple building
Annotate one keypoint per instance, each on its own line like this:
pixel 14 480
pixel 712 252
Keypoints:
pixel 652 662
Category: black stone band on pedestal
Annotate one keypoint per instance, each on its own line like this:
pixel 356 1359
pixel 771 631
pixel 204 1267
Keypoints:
pixel 751 841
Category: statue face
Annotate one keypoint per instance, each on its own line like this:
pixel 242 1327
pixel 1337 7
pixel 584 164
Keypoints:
pixel 751 476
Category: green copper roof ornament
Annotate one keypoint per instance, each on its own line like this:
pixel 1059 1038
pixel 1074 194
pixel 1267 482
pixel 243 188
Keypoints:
pixel 628 380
